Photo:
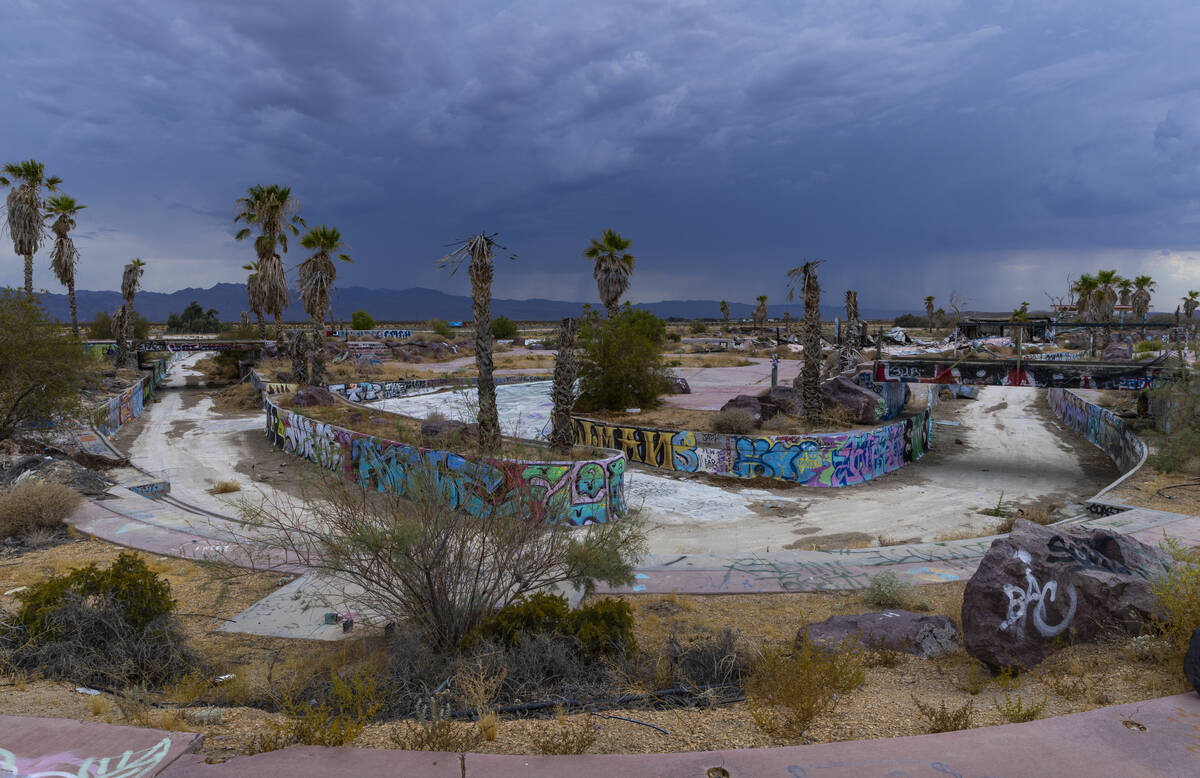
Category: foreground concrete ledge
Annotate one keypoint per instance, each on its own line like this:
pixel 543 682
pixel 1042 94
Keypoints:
pixel 1152 738
pixel 65 747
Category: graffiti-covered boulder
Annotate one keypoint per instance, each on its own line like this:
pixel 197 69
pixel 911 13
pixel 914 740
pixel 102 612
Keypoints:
pixel 863 405
pixel 761 409
pixel 307 396
pixel 926 635
pixel 1118 352
pixel 679 385
pixel 787 399
pixel 1042 585
pixel 1191 661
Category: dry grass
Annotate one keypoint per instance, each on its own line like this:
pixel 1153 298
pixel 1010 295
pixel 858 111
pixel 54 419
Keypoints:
pixel 788 690
pixel 239 397
pixel 941 718
pixel 34 506
pixel 226 487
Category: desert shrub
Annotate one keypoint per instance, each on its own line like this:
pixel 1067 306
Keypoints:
pixel 620 361
pixel 1178 593
pixel 100 327
pixel 226 487
pixel 943 719
pixel 561 737
pixel 886 590
pixel 503 328
pixel 911 321
pixel 352 703
pixel 1176 451
pixel 734 421
pixel 194 319
pixel 1176 406
pixel 1015 709
pixel 424 562
pixel 361 320
pixel 602 627
pixel 440 327
pixel 34 505
pixel 432 732
pixel 787 691
pixel 697 328
pixel 1149 345
pixel 697 663
pixel 674 337
pixel 102 627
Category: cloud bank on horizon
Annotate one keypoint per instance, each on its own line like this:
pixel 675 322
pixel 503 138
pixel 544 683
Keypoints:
pixel 919 146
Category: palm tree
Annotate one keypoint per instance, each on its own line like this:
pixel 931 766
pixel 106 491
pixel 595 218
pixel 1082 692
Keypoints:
pixel 273 210
pixel 1124 290
pixel 759 316
pixel 1085 291
pixel 929 309
pixel 477 251
pixel 566 367
pixel 1106 298
pixel 317 274
pixel 119 319
pixel 131 281
pixel 1190 303
pixel 1143 287
pixel 24 205
pixel 725 313
pixel 64 255
pixel 613 266
pixel 805 277
pixel 257 296
pixel 853 326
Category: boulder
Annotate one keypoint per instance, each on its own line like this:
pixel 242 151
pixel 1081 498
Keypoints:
pixel 864 406
pixel 923 634
pixel 1041 585
pixel 679 385
pixel 1191 662
pixel 787 399
pixel 441 429
pixel 68 473
pixel 1118 352
pixel 761 410
pixel 307 396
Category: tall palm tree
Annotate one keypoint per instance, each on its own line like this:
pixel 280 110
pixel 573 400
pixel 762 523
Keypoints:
pixel 131 281
pixel 477 251
pixel 1106 297
pixel 566 367
pixel 804 277
pixel 1085 290
pixel 256 296
pixel 317 274
pixel 64 255
pixel 1190 303
pixel 929 309
pixel 1143 287
pixel 613 266
pixel 274 211
pixel 1124 291
pixel 759 316
pixel 119 318
pixel 853 325
pixel 725 313
pixel 24 206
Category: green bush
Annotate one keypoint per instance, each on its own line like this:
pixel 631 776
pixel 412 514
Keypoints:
pixel 674 337
pixel 361 320
pixel 888 591
pixel 1150 345
pixel 1176 406
pixel 910 321
pixel 503 328
pixel 697 328
pixel 440 327
pixel 603 627
pixel 620 361
pixel 193 319
pixel 101 327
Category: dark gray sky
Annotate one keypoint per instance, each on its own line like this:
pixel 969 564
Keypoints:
pixel 918 146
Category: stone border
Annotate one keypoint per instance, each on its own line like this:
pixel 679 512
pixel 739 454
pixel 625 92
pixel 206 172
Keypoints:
pixel 592 490
pixel 1104 430
pixel 825 459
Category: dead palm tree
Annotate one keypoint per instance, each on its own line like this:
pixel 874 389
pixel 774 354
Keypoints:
pixel 759 316
pixel 853 326
pixel 317 274
pixel 131 281
pixel 725 313
pixel 24 207
pixel 64 255
pixel 805 277
pixel 613 266
pixel 256 297
pixel 1143 287
pixel 477 251
pixel 119 318
pixel 274 211
pixel 562 433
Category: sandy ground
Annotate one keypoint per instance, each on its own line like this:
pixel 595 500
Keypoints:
pixel 1006 442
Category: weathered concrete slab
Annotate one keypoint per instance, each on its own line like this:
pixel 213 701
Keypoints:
pixel 297 610
pixel 64 747
pixel 303 761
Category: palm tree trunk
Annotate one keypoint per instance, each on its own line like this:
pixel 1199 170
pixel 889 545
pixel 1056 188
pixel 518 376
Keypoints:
pixel 74 317
pixel 481 309
pixel 262 325
pixel 29 274
pixel 614 308
pixel 562 434
pixel 131 348
pixel 814 406
pixel 316 354
pixel 279 332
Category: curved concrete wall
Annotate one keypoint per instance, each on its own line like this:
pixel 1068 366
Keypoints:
pixel 1101 426
pixel 587 491
pixel 834 459
pixel 128 405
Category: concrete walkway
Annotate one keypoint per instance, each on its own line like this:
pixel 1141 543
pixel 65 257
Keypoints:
pixel 1152 738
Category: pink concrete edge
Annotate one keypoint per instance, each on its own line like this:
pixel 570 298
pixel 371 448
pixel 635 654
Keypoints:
pixel 51 747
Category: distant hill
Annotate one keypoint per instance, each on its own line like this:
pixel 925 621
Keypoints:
pixel 414 304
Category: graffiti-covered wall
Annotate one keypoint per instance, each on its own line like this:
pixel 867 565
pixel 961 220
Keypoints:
pixel 128 405
pixel 366 391
pixel 587 492
pixel 838 459
pixel 1099 425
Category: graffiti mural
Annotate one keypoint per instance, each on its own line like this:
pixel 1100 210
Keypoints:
pixel 397 334
pixel 838 459
pixel 1103 428
pixel 583 492
pixel 130 403
pixel 1008 372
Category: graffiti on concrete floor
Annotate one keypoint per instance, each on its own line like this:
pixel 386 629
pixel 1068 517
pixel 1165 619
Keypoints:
pixel 130 764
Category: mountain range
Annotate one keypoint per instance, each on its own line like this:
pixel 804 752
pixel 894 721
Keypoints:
pixel 407 305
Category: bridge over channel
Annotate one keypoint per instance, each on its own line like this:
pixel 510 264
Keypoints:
pixel 1024 372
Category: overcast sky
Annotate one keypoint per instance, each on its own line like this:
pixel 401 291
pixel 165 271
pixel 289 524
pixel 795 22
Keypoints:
pixel 917 146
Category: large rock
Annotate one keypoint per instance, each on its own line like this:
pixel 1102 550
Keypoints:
pixel 1191 662
pixel 864 406
pixel 679 386
pixel 760 409
pixel 307 396
pixel 68 473
pixel 787 399
pixel 1118 352
pixel 1045 584
pixel 439 430
pixel 922 634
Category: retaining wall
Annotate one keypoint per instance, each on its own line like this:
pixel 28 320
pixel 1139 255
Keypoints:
pixel 1101 426
pixel 369 391
pixel 588 491
pixel 128 405
pixel 834 459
